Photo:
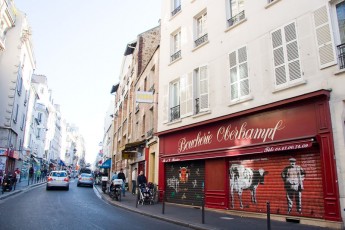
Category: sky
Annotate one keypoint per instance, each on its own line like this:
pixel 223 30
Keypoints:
pixel 79 45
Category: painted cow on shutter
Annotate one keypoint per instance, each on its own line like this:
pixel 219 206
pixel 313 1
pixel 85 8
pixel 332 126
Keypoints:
pixel 242 178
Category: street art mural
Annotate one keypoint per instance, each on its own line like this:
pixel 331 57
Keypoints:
pixel 279 179
pixel 242 178
pixel 184 182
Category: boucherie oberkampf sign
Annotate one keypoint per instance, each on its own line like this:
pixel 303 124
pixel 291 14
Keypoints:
pixel 230 133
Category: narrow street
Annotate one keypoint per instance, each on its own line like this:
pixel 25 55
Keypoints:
pixel 78 208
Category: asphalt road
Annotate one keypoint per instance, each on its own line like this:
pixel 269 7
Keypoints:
pixel 78 208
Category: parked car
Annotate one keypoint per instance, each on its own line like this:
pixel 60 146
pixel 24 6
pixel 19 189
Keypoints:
pixel 85 179
pixel 58 179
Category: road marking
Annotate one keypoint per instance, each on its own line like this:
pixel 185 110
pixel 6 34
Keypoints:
pixel 226 218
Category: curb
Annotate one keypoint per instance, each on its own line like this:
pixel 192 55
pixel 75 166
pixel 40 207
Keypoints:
pixel 167 219
pixel 15 192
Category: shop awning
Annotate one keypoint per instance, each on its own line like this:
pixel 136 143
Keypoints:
pixel 61 163
pixel 244 150
pixel 106 164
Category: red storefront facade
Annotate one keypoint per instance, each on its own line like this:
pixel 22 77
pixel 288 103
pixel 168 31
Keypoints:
pixel 282 152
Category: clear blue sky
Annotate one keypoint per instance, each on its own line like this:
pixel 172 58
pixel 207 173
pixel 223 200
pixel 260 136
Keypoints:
pixel 79 45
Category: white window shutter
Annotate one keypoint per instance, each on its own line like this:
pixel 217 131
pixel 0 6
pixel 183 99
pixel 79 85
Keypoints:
pixel 243 71
pixel 204 103
pixel 324 38
pixel 183 95
pixel 189 99
pixel 293 59
pixel 278 57
pixel 233 76
pixel 165 103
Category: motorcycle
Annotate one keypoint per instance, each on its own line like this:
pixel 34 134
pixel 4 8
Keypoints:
pixel 7 183
pixel 115 189
pixel 104 183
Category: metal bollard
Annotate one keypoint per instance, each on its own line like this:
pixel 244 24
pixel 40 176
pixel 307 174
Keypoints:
pixel 163 202
pixel 137 201
pixel 268 216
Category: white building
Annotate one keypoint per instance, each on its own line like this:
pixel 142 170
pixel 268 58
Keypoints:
pixel 17 64
pixel 249 85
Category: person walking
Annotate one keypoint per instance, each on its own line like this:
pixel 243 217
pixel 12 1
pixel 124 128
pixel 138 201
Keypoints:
pixel 31 175
pixel 17 173
pixel 134 181
pixel 293 177
pixel 122 176
pixel 38 175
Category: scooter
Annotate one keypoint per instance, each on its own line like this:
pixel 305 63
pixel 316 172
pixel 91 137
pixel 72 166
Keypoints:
pixel 7 183
pixel 104 183
pixel 115 189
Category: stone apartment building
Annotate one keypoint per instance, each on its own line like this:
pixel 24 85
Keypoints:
pixel 135 144
pixel 17 64
pixel 252 107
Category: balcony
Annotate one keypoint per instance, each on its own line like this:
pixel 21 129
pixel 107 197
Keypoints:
pixel 201 40
pixel 175 113
pixel 176 10
pixel 341 55
pixel 197 105
pixel 149 133
pixel 237 18
pixel 175 56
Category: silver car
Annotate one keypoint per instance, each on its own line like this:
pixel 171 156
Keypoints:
pixel 85 179
pixel 58 179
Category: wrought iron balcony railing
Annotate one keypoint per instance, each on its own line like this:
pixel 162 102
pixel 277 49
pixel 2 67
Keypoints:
pixel 175 56
pixel 149 133
pixel 176 10
pixel 175 113
pixel 235 19
pixel 341 56
pixel 197 105
pixel 201 40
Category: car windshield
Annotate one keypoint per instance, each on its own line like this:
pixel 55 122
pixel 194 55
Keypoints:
pixel 58 174
pixel 85 175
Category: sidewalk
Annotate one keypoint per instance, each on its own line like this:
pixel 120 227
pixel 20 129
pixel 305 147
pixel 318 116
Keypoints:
pixel 192 216
pixel 21 186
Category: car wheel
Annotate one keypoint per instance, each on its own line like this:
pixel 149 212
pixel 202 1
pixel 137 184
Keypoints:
pixel 67 188
pixel 78 185
pixel 47 188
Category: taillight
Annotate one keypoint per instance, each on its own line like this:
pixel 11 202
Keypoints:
pixel 91 178
pixel 49 179
pixel 79 178
pixel 66 179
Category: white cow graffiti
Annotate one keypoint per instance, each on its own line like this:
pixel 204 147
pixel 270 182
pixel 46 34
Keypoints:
pixel 242 178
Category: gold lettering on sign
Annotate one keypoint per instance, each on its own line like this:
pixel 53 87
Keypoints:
pixel 201 139
pixel 227 133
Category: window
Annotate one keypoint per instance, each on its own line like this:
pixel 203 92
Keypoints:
pixel 174 100
pixel 340 29
pixel 19 80
pixel 16 113
pixel 201 29
pixel 236 11
pixel 200 83
pixel 176 6
pixel 23 122
pixel 286 62
pixel 239 81
pixel 176 46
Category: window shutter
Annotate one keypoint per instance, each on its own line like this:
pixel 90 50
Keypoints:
pixel 278 57
pixel 203 88
pixel 183 95
pixel 243 71
pixel 233 76
pixel 324 38
pixel 294 67
pixel 189 87
pixel 165 103
pixel 287 67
